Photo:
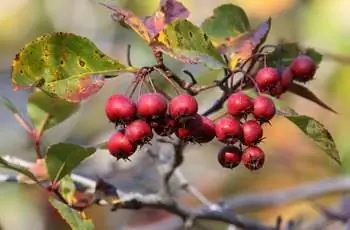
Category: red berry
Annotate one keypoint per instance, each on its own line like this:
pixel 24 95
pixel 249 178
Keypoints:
pixel 286 78
pixel 239 104
pixel 199 129
pixel 164 126
pixel 206 131
pixel 119 146
pixel 151 105
pixel 253 158
pixel 229 157
pixel 120 109
pixel 263 108
pixel 303 68
pixel 283 84
pixel 252 132
pixel 138 132
pixel 267 77
pixel 183 106
pixel 228 130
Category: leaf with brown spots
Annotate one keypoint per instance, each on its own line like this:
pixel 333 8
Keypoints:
pixel 65 65
pixel 168 11
pixel 318 133
pixel 186 42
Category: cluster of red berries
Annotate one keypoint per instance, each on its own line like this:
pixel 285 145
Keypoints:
pixel 276 82
pixel 153 113
pixel 248 132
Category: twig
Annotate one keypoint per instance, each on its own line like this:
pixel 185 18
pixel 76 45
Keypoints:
pixel 194 191
pixel 177 161
pixel 36 135
pixel 23 123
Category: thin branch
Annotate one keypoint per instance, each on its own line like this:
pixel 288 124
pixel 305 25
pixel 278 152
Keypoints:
pixel 184 183
pixel 23 123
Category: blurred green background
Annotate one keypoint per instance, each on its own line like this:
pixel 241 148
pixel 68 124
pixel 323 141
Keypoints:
pixel 291 158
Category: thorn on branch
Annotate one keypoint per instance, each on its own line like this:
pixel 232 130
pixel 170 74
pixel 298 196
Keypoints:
pixel 128 55
pixel 193 79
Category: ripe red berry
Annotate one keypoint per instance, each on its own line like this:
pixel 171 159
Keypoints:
pixel 253 158
pixel 119 146
pixel 206 131
pixel 183 106
pixel 138 132
pixel 303 68
pixel 151 105
pixel 283 84
pixel 164 126
pixel 239 104
pixel 263 108
pixel 267 77
pixel 252 132
pixel 286 78
pixel 199 129
pixel 230 157
pixel 120 109
pixel 228 130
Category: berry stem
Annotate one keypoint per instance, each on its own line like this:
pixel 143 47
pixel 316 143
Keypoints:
pixel 170 80
pixel 133 87
pixel 151 84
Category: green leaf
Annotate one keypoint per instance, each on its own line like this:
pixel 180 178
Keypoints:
pixel 228 20
pixel 8 104
pixel 318 133
pixel 62 158
pixel 304 92
pixel 63 64
pixel 284 55
pixel 67 188
pixel 186 42
pixel 17 168
pixel 42 106
pixel 72 217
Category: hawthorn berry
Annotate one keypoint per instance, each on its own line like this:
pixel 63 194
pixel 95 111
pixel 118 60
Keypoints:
pixel 183 106
pixel 228 130
pixel 120 147
pixel 229 157
pixel 198 129
pixel 164 126
pixel 206 131
pixel 303 68
pixel 252 132
pixel 253 158
pixel 120 109
pixel 286 78
pixel 239 104
pixel 266 78
pixel 283 84
pixel 138 132
pixel 151 105
pixel 263 108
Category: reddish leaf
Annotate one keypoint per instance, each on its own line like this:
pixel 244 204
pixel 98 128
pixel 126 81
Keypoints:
pixel 169 11
pixel 304 92
pixel 242 47
pixel 129 18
